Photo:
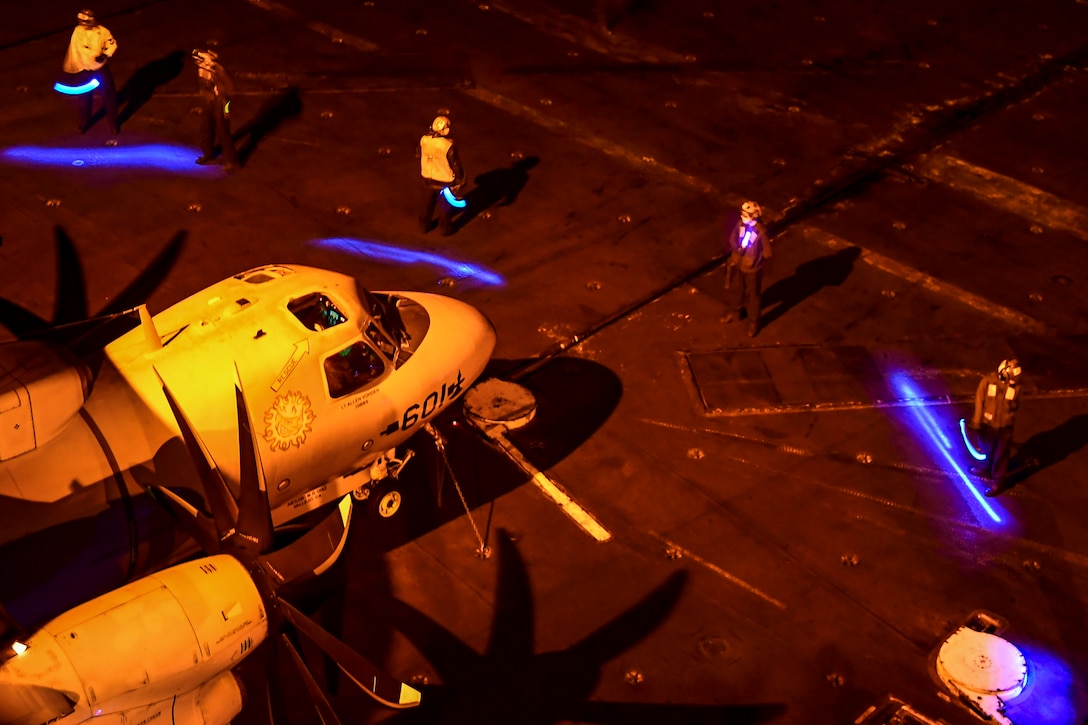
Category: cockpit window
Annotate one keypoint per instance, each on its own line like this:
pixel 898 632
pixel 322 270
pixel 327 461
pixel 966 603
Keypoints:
pixel 388 317
pixel 260 275
pixel 352 369
pixel 382 342
pixel 316 312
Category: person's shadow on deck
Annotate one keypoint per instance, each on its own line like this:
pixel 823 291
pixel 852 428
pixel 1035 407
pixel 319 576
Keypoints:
pixel 808 279
pixel 500 187
pixel 269 116
pixel 1045 449
pixel 141 86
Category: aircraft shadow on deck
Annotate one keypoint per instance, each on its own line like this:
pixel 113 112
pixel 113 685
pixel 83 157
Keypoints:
pixel 510 682
pixel 52 570
pixel 574 398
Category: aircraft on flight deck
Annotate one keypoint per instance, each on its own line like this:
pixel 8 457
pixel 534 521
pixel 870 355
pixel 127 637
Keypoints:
pixel 164 648
pixel 337 378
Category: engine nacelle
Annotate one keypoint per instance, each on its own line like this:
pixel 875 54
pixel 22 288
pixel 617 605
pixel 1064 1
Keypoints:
pixel 216 702
pixel 41 388
pixel 174 634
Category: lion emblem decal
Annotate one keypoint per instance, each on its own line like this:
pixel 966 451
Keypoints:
pixel 288 421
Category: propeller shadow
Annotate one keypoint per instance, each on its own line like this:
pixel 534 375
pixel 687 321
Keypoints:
pixel 71 323
pixel 510 682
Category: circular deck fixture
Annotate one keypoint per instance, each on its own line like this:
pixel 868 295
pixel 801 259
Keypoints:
pixel 985 669
pixel 498 402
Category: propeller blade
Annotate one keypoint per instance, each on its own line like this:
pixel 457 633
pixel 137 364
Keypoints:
pixel 149 279
pixel 254 515
pixel 192 521
pixel 321 703
pixel 71 293
pixel 223 507
pixel 383 688
pixel 264 683
pixel 314 552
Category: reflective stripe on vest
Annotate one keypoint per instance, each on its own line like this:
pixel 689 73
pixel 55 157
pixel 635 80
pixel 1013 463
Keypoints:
pixel 432 158
pixel 996 409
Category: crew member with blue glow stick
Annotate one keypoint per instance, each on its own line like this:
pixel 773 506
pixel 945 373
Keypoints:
pixel 996 403
pixel 216 88
pixel 89 51
pixel 440 168
pixel 749 249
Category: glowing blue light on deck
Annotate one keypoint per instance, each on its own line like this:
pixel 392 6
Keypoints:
pixel 76 90
pixel 451 199
pixel 976 454
pixel 157 157
pixel 1047 698
pixel 402 255
pixel 910 394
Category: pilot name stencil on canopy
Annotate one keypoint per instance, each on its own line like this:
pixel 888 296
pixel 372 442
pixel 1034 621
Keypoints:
pixel 288 421
pixel 359 400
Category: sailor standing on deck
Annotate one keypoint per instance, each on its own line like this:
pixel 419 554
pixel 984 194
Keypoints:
pixel 216 88
pixel 749 249
pixel 89 51
pixel 440 167
pixel 996 403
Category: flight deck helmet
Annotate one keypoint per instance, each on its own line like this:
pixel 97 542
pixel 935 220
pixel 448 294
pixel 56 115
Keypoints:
pixel 750 211
pixel 441 126
pixel 205 58
pixel 1009 370
pixel 86 17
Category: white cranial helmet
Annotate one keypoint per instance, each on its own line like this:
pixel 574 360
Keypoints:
pixel 750 210
pixel 441 125
pixel 1009 370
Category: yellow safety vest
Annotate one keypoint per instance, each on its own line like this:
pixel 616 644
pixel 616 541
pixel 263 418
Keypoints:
pixel 432 158
pixel 85 47
pixel 997 401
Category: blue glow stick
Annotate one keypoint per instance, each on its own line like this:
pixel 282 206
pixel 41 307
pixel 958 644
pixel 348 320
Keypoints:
pixel 451 199
pixel 976 454
pixel 76 90
pixel 933 430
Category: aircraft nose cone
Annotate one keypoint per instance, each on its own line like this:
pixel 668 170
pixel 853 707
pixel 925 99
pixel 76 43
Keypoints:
pixel 477 336
pixel 460 338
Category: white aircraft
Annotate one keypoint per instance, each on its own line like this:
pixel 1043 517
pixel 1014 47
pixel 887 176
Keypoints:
pixel 337 378
pixel 164 648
